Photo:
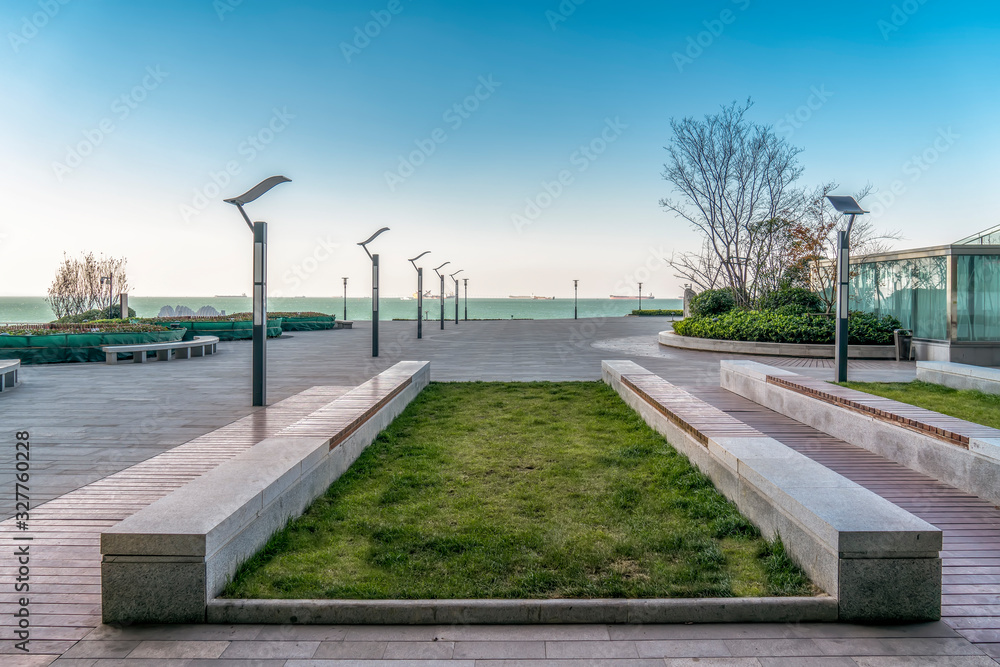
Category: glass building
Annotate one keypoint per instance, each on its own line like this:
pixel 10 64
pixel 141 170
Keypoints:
pixel 948 296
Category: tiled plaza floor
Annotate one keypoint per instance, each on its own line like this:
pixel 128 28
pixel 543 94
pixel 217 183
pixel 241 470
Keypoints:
pixel 88 421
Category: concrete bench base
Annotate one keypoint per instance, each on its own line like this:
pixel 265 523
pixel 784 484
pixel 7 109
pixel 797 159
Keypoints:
pixel 183 349
pixel 960 376
pixel 881 563
pixel 953 451
pixel 671 339
pixel 10 373
pixel 167 561
pixel 344 324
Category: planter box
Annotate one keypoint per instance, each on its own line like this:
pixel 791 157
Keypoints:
pixel 308 323
pixel 806 350
pixel 61 348
pixel 227 330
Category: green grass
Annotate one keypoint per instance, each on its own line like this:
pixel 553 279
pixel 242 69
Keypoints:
pixel 519 490
pixel 973 406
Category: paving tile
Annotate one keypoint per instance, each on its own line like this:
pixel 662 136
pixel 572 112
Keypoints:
pixel 177 649
pixel 345 650
pixel 935 661
pixel 178 632
pixel 270 649
pixel 499 649
pixel 523 632
pixel 111 648
pixel 682 648
pixel 916 646
pixel 380 663
pixel 712 662
pixel 774 647
pixel 303 633
pixel 590 649
pixel 419 650
pixel 703 631
pixel 800 661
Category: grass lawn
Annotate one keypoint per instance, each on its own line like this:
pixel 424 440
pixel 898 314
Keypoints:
pixel 519 490
pixel 973 406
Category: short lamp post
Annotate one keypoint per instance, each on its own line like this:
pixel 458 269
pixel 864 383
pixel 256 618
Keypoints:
pixel 441 293
pixel 374 259
pixel 456 292
pixel 465 282
pixel 576 292
pixel 420 294
pixel 846 206
pixel 109 281
pixel 345 298
pixel 259 230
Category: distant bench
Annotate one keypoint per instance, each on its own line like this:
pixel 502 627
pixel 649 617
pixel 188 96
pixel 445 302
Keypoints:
pixel 9 371
pixel 344 324
pixel 184 349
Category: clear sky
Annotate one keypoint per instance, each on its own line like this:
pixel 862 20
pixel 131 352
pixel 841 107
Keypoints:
pixel 120 117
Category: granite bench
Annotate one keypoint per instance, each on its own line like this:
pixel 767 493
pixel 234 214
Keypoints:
pixel 10 371
pixel 960 376
pixel 344 324
pixel 879 562
pixel 951 450
pixel 200 346
pixel 166 562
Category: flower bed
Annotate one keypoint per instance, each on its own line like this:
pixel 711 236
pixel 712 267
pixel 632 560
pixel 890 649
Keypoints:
pixel 60 344
pixel 776 327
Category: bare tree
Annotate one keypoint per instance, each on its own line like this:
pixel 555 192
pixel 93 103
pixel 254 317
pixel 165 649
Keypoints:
pixel 77 285
pixel 734 183
pixel 815 248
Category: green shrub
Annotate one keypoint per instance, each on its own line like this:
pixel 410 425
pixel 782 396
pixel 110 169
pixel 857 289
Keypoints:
pixel 775 327
pixel 657 313
pixel 112 313
pixel 712 302
pixel 791 301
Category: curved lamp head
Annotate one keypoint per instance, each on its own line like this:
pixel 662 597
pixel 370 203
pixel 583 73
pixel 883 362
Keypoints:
pixel 364 244
pixel 456 273
pixel 255 193
pixel 847 206
pixel 414 260
pixel 441 267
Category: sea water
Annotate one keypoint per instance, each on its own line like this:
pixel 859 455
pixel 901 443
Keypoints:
pixel 36 309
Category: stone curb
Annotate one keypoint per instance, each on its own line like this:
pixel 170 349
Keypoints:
pixel 671 339
pixel 521 612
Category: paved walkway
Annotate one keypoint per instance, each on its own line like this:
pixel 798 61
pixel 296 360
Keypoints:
pixel 90 421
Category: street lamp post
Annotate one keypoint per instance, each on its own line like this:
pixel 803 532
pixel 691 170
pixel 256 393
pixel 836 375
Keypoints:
pixel 259 229
pixel 640 296
pixel 846 206
pixel 345 298
pixel 456 292
pixel 441 293
pixel 109 280
pixel 575 294
pixel 374 258
pixel 465 281
pixel 420 294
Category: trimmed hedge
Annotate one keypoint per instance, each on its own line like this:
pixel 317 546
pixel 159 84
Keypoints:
pixel 53 348
pixel 658 313
pixel 712 302
pixel 774 327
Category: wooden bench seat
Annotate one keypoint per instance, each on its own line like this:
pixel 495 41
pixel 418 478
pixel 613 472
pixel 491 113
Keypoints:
pixel 183 349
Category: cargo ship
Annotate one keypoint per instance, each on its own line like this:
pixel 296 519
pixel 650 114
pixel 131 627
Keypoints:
pixel 634 296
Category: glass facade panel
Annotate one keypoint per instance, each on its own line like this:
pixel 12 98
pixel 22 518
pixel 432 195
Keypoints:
pixel 914 291
pixel 978 283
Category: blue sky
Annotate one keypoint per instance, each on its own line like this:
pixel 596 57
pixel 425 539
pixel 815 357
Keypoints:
pixel 169 99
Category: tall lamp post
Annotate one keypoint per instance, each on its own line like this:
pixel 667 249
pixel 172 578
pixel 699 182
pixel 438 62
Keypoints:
pixel 259 230
pixel 420 294
pixel 109 281
pixel 345 297
pixel 374 259
pixel 456 292
pixel 640 296
pixel 441 293
pixel 575 293
pixel 465 281
pixel 846 206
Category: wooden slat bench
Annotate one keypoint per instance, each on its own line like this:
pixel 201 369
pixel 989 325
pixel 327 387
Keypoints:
pixel 10 370
pixel 184 349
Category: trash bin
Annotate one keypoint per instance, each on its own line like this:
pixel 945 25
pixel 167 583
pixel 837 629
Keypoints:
pixel 904 342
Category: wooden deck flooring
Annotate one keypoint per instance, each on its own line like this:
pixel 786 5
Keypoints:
pixel 971 526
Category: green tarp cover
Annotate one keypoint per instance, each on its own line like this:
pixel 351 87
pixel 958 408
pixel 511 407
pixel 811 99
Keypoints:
pixel 61 348
pixel 239 330
pixel 308 323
